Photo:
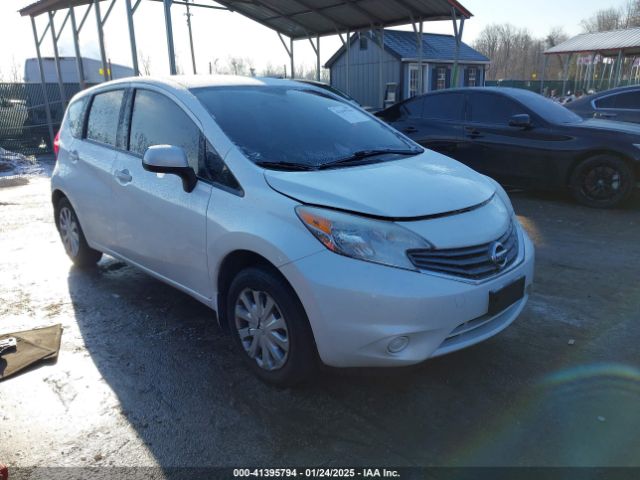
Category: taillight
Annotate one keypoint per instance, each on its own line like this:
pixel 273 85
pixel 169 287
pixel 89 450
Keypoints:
pixel 56 144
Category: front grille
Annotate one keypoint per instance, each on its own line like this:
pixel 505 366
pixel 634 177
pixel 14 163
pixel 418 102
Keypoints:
pixel 468 262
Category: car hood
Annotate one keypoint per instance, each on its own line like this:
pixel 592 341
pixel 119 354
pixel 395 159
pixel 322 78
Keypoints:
pixel 611 126
pixel 424 185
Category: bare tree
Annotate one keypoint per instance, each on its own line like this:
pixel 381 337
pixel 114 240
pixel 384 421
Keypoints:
pixel 612 18
pixel 272 71
pixel 15 71
pixel 515 53
pixel 238 66
pixel 145 63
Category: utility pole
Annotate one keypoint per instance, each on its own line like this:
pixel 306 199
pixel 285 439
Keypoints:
pixel 193 56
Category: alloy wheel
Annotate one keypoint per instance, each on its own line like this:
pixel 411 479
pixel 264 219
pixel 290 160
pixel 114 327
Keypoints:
pixel 602 182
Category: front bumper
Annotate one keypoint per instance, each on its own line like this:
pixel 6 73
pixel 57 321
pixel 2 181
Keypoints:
pixel 356 308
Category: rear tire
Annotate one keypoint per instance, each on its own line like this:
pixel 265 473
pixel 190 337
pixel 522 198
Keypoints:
pixel 602 181
pixel 73 239
pixel 270 327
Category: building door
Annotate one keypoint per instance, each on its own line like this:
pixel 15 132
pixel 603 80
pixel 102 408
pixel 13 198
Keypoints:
pixel 413 81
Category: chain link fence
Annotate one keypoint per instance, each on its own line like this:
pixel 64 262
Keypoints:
pixel 23 118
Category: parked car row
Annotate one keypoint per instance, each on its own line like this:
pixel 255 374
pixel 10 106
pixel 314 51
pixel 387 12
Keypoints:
pixel 316 231
pixel 621 104
pixel 525 140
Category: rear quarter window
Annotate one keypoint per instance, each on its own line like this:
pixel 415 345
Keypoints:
pixel 104 117
pixel 74 120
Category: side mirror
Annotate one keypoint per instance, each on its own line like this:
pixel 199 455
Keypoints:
pixel 172 160
pixel 521 121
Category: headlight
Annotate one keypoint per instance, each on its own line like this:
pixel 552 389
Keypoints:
pixel 358 237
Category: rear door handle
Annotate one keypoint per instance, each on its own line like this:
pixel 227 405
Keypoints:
pixel 410 130
pixel 473 132
pixel 73 156
pixel 606 115
pixel 123 176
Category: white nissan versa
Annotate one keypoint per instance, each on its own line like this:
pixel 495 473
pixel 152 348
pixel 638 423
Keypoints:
pixel 314 230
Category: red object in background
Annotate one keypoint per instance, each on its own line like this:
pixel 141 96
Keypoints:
pixel 56 148
pixel 4 472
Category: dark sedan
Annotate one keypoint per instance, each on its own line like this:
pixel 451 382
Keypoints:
pixel 523 139
pixel 620 104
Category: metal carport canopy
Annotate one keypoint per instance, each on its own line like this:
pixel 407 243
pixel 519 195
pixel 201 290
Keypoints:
pixel 311 18
pixel 299 19
pixel 601 42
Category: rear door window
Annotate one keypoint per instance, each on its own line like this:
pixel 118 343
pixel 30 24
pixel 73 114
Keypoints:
pixel 104 117
pixel 493 109
pixel 448 106
pixel 157 120
pixel 621 101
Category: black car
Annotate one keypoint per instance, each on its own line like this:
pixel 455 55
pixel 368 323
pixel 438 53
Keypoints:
pixel 621 104
pixel 523 139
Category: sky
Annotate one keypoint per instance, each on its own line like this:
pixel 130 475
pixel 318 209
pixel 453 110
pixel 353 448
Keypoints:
pixel 219 35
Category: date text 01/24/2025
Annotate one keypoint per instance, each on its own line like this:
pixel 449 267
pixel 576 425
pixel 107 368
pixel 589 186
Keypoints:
pixel 316 472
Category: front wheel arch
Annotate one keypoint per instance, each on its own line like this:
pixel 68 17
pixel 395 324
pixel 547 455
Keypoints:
pixel 232 264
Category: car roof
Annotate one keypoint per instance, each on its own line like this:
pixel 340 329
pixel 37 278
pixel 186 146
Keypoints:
pixel 185 82
pixel 628 88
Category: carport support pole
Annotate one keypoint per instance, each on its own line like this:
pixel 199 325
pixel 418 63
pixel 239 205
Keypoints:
pixel 293 64
pixel 348 47
pixel 380 66
pixel 457 30
pixel 132 39
pixel 565 74
pixel 316 50
pixel 169 28
pixel 103 54
pixel 611 69
pixel 76 48
pixel 544 70
pixel 56 57
pixel 318 76
pixel 619 68
pixel 43 83
pixel 418 33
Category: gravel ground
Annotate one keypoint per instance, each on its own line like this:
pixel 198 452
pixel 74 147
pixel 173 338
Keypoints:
pixel 145 377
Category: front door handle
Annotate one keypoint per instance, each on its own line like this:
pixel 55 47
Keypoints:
pixel 410 130
pixel 123 176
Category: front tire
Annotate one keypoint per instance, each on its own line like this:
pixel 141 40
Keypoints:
pixel 73 239
pixel 602 181
pixel 270 327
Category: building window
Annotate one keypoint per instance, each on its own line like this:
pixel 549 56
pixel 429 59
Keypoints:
pixel 472 75
pixel 442 78
pixel 413 80
pixel 364 43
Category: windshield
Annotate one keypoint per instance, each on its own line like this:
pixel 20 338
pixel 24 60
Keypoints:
pixel 548 109
pixel 296 126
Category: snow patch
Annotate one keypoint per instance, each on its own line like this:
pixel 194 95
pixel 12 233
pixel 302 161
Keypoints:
pixel 14 164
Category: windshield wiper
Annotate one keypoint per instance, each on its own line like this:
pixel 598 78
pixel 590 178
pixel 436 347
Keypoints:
pixel 359 156
pixel 286 166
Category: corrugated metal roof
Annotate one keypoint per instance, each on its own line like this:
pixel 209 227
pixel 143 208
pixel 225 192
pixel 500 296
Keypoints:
pixel 436 47
pixel 613 41
pixel 309 18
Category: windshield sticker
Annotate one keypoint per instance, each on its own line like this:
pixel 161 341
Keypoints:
pixel 350 114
